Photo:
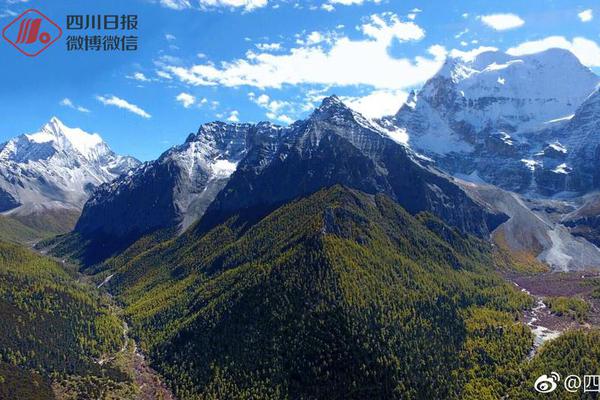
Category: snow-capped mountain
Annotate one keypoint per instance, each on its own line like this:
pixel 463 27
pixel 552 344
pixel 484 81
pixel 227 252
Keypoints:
pixel 251 168
pixel 57 167
pixel 499 118
pixel 581 136
pixel 337 145
pixel 174 190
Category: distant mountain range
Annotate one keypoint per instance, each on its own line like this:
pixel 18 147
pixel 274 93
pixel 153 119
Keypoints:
pixel 228 169
pixel 492 122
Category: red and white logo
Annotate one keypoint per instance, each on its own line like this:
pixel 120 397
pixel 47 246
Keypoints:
pixel 31 32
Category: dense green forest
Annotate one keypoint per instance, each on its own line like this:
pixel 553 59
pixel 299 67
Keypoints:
pixel 53 331
pixel 338 295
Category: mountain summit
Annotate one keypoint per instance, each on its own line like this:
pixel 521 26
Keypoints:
pixel 469 100
pixel 497 117
pixel 55 168
pixel 228 169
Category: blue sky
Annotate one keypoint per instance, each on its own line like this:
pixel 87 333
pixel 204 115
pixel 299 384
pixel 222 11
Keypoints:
pixel 252 60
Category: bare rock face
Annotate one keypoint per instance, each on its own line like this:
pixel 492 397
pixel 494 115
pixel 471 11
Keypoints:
pixel 225 169
pixel 173 191
pixel 533 228
pixel 339 146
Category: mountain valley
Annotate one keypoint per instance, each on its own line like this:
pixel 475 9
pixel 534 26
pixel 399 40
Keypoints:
pixel 451 250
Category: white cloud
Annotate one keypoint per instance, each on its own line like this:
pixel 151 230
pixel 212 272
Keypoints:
pixel 387 26
pixel 470 55
pixel 186 99
pixel 274 107
pixel 7 13
pixel 247 5
pixel 461 33
pixel 280 118
pixel 327 7
pixel 342 62
pixel 285 119
pixel 164 75
pixel 123 104
pixel 352 2
pixel 314 38
pixel 378 103
pixel 586 15
pixel 586 50
pixel 138 76
pixel 268 46
pixel 234 116
pixel 502 22
pixel 170 37
pixel 66 102
pixel 176 4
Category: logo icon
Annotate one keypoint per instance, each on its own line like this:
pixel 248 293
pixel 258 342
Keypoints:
pixel 547 384
pixel 31 32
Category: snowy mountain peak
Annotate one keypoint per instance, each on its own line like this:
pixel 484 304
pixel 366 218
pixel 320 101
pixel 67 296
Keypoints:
pixel 329 106
pixel 64 138
pixel 330 101
pixel 56 165
pixel 469 101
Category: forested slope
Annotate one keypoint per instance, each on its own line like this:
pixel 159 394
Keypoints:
pixel 53 330
pixel 338 295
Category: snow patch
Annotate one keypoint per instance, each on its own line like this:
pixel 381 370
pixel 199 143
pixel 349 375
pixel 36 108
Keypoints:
pixel 398 135
pixel 223 168
pixel 567 118
pixel 506 138
pixel 531 164
pixel 561 169
pixel 497 67
pixel 558 147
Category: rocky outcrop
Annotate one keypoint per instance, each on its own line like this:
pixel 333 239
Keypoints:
pixel 339 146
pixel 173 191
